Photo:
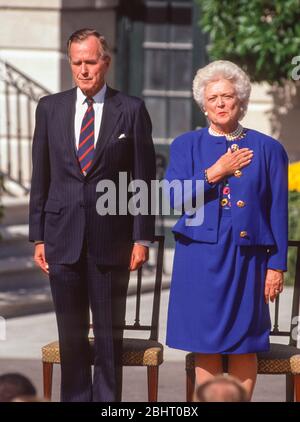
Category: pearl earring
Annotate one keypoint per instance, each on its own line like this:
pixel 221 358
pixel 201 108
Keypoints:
pixel 205 113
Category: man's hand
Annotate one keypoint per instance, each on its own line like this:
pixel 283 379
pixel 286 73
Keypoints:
pixel 139 255
pixel 273 284
pixel 39 257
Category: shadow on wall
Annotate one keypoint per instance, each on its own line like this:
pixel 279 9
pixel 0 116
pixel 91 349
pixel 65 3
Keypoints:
pixel 284 117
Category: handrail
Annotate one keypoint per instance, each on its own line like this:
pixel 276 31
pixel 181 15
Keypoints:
pixel 20 95
pixel 22 82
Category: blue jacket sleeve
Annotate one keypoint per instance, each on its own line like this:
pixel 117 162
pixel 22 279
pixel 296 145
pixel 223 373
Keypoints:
pixel 277 165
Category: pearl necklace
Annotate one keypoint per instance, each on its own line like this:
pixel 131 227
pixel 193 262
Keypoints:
pixel 229 136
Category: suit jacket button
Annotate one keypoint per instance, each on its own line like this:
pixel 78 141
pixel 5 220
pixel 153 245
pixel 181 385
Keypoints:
pixel 240 204
pixel 238 173
pixel 243 233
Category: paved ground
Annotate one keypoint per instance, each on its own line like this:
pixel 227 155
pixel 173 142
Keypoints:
pixel 26 335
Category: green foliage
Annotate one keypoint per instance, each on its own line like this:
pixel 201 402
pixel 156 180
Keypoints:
pixel 261 36
pixel 294 233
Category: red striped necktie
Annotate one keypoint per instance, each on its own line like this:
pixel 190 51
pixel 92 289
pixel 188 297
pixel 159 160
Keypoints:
pixel 86 139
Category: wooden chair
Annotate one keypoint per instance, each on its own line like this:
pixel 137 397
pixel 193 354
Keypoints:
pixel 281 358
pixel 146 352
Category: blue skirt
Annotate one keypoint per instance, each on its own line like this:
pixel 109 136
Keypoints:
pixel 217 296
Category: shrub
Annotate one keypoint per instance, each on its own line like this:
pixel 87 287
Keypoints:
pixel 261 36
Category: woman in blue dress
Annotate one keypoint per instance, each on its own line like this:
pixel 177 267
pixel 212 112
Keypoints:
pixel 227 268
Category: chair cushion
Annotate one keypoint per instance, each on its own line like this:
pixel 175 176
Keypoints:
pixel 50 352
pixel 139 352
pixel 136 352
pixel 295 364
pixel 281 359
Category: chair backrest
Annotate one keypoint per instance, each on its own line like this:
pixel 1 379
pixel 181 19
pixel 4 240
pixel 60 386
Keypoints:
pixel 295 301
pixel 154 288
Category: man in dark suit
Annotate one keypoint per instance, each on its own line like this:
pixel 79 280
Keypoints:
pixel 82 136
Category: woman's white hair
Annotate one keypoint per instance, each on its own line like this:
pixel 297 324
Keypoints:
pixel 223 69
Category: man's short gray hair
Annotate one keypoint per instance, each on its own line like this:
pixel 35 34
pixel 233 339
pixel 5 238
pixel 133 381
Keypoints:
pixel 222 69
pixel 83 34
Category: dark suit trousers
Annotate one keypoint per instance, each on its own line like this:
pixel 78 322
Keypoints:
pixel 76 288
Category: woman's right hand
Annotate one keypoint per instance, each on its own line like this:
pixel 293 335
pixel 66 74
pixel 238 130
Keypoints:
pixel 228 163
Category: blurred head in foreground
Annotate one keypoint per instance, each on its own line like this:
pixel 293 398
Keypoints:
pixel 221 389
pixel 14 385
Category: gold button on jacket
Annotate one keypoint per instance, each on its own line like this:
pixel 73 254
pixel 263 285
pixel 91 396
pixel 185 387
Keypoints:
pixel 238 173
pixel 243 233
pixel 240 204
pixel 234 147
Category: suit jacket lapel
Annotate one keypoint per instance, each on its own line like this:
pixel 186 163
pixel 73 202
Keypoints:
pixel 67 114
pixel 110 117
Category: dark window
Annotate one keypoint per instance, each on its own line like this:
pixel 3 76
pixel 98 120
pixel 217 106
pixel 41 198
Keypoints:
pixel 168 67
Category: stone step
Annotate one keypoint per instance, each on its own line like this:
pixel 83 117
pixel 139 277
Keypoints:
pixel 13 188
pixel 20 272
pixel 14 232
pixel 24 302
pixel 15 210
pixel 14 241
